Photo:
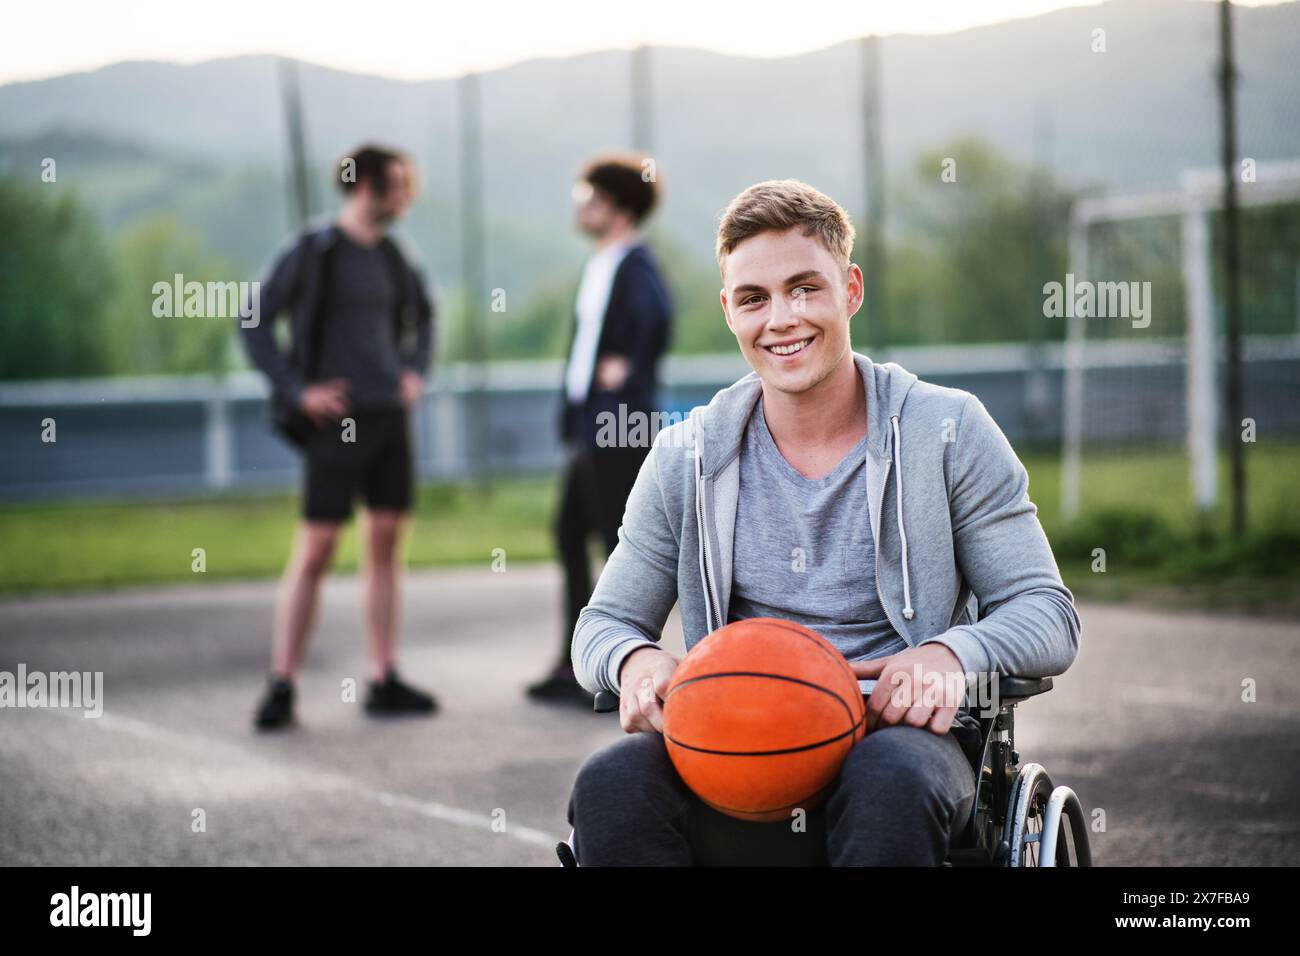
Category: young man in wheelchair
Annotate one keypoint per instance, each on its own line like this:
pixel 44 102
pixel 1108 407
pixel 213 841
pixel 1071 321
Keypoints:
pixel 900 500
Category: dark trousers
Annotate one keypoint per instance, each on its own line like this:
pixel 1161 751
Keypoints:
pixel 903 795
pixel 593 495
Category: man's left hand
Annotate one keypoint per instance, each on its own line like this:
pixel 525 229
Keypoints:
pixel 612 371
pixel 412 388
pixel 915 687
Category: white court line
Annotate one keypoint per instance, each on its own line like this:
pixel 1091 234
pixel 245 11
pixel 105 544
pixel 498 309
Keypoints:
pixel 428 808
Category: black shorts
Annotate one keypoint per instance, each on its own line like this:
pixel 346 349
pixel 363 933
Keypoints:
pixel 378 464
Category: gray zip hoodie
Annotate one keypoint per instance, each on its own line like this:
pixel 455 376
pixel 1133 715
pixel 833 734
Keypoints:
pixel 961 558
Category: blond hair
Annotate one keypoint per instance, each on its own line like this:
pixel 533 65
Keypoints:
pixel 781 204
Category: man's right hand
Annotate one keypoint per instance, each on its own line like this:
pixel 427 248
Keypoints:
pixel 643 683
pixel 325 401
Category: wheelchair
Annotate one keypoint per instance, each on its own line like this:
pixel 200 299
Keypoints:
pixel 1018 819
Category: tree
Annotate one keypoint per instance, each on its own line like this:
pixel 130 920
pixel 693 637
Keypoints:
pixel 967 268
pixel 136 341
pixel 56 279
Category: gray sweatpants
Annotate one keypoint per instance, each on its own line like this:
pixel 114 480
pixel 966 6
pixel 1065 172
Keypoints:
pixel 903 794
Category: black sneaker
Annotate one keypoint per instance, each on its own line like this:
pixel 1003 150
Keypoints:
pixel 562 687
pixel 276 709
pixel 390 696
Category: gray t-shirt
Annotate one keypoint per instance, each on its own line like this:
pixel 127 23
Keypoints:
pixel 359 344
pixel 804 550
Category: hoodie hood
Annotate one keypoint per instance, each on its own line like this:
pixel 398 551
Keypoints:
pixel 721 424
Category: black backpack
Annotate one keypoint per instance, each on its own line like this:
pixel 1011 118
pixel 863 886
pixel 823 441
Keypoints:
pixel 286 417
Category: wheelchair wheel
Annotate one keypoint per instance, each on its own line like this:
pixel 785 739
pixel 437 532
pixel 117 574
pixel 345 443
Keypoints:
pixel 1036 825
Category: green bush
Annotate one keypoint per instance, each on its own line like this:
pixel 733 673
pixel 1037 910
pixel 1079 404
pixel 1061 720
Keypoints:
pixel 1133 537
pixel 1144 540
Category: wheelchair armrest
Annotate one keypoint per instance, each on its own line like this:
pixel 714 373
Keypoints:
pixel 1022 688
pixel 1009 688
pixel 605 702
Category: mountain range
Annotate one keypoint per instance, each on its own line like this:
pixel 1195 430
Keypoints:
pixel 207 143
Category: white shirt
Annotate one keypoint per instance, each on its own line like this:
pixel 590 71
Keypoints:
pixel 593 300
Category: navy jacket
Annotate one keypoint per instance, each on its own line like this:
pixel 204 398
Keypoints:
pixel 638 324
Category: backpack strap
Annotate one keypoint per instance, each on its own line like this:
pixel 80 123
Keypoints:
pixel 398 274
pixel 324 273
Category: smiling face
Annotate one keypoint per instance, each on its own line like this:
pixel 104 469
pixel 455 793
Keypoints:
pixel 788 301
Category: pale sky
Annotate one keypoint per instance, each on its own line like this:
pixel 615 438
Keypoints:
pixel 419 39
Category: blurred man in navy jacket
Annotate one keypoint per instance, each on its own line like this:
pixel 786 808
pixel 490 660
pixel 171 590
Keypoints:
pixel 622 320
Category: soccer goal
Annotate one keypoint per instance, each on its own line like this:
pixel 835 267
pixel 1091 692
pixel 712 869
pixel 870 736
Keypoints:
pixel 1143 344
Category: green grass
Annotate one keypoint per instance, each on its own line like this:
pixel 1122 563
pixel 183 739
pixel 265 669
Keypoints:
pixel 1136 506
pixel 1158 482
pixel 74 545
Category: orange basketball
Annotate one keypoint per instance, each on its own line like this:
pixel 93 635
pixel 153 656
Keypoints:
pixel 759 717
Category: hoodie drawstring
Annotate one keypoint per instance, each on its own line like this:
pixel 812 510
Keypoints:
pixel 702 532
pixel 908 613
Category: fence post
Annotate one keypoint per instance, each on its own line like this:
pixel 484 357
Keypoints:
pixel 218 445
pixel 1202 393
pixel 1072 412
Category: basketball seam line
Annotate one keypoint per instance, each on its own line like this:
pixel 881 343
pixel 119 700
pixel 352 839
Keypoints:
pixel 785 677
pixel 789 806
pixel 799 629
pixel 766 753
